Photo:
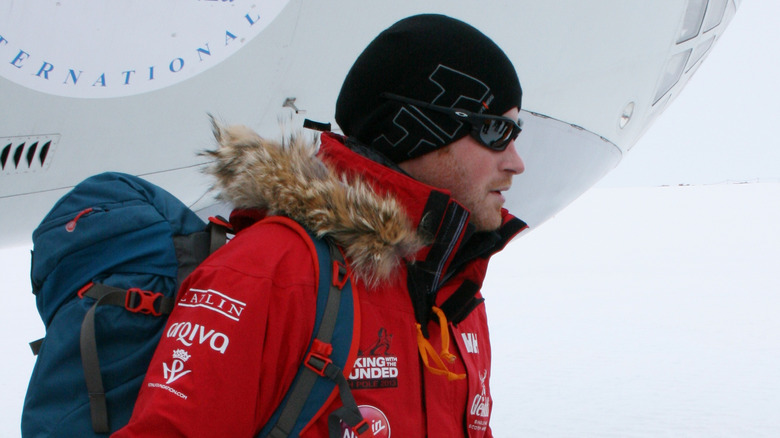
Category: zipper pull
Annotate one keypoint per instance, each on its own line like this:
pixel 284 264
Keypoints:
pixel 70 226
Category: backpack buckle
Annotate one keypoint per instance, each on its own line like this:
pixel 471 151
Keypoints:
pixel 84 290
pixel 318 358
pixel 340 274
pixel 142 301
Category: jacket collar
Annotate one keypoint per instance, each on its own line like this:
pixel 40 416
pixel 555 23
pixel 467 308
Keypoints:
pixel 378 214
pixel 451 242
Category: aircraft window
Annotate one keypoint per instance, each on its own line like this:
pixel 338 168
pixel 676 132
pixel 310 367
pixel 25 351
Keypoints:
pixel 715 12
pixel 694 16
pixel 674 69
pixel 699 52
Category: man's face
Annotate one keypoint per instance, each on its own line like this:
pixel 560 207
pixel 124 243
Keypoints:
pixel 475 175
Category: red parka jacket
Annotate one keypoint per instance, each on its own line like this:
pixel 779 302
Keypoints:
pixel 244 318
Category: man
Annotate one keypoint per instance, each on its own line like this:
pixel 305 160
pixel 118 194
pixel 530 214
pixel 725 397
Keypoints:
pixel 413 195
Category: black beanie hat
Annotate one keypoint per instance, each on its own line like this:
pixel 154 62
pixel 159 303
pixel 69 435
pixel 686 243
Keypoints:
pixel 432 58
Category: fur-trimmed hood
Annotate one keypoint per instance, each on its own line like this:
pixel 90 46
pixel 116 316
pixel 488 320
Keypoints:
pixel 287 178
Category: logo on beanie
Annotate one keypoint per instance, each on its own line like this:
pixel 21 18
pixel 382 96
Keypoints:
pixel 414 132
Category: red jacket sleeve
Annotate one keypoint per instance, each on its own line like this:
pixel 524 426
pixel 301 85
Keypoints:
pixel 234 342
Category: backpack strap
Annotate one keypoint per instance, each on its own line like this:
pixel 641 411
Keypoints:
pixel 320 377
pixel 191 250
pixel 134 300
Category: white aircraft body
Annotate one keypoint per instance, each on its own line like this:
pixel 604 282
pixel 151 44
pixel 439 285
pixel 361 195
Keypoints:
pixel 92 86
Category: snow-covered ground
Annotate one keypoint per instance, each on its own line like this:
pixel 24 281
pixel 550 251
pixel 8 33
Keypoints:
pixel 636 312
pixel 642 312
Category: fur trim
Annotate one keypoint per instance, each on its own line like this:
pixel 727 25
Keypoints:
pixel 288 179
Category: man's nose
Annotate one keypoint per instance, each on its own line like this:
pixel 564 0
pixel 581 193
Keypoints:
pixel 511 161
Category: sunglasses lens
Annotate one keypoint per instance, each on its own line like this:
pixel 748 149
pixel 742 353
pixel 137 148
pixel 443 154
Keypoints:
pixel 496 133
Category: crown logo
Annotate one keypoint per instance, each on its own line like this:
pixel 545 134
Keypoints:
pixel 181 354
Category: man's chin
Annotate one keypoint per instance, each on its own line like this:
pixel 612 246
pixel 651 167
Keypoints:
pixel 491 223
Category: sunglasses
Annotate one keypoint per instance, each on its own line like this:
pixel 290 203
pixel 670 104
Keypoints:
pixel 492 132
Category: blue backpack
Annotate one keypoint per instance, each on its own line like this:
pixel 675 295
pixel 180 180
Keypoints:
pixel 107 263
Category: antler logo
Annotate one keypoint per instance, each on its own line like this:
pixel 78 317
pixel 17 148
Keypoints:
pixel 480 406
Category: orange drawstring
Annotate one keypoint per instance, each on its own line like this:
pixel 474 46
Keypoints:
pixel 427 351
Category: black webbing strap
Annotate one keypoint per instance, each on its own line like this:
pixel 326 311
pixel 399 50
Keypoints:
pixel 192 249
pixel 318 366
pixel 462 302
pixel 218 237
pixel 317 126
pixel 218 229
pixel 348 413
pixel 133 300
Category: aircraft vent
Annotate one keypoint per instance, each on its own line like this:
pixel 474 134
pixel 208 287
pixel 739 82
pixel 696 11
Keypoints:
pixel 26 154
